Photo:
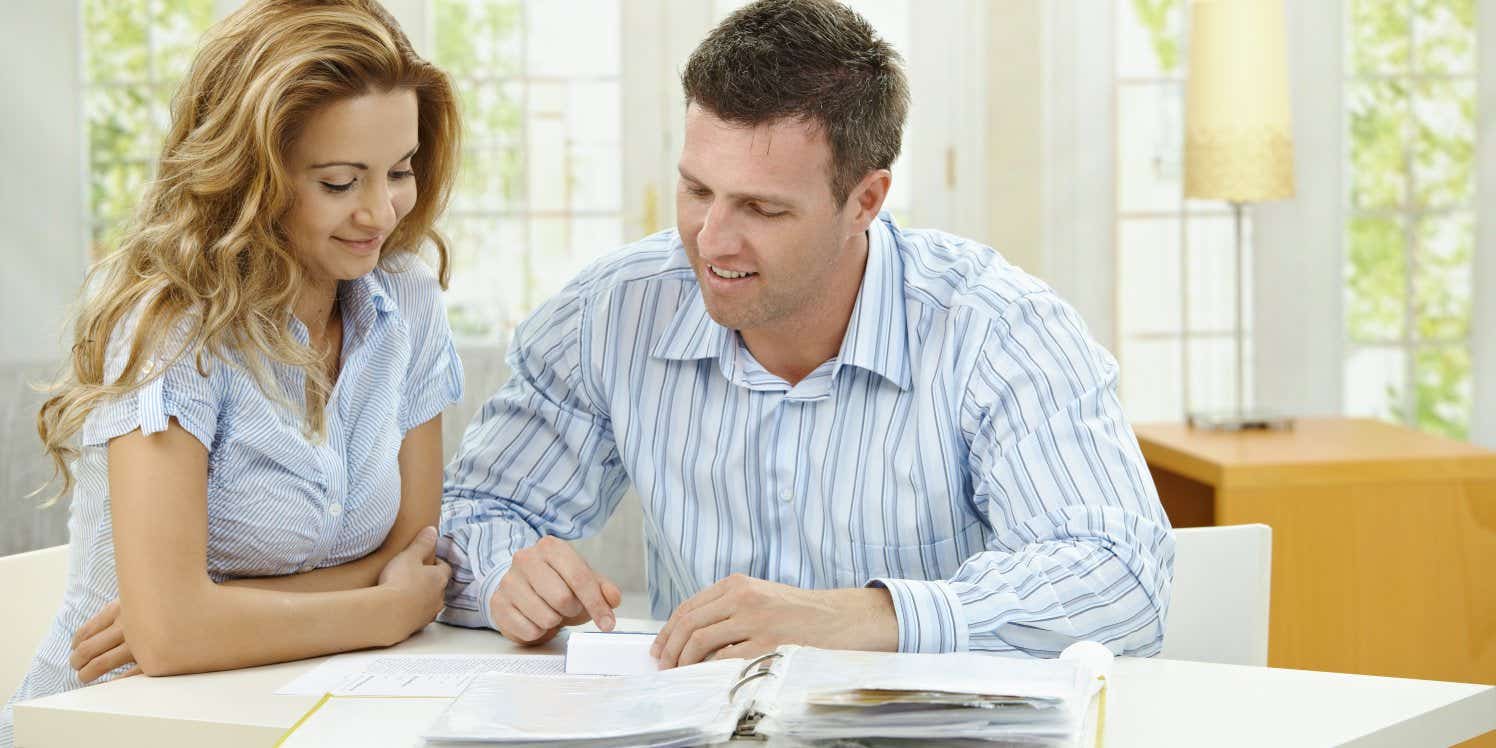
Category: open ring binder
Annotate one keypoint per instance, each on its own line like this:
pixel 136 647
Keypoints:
pixel 745 680
pixel 753 663
pixel 814 695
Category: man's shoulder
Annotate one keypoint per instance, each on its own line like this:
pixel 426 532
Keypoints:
pixel 949 274
pixel 647 272
pixel 659 257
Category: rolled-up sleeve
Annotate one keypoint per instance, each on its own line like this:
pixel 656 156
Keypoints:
pixel 1080 548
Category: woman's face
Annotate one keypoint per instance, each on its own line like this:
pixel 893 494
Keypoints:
pixel 352 173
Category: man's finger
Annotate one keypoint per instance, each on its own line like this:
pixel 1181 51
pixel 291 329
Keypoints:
pixel 528 602
pixel 96 645
pixel 707 640
pixel 688 625
pixel 547 582
pixel 697 600
pixel 736 651
pixel 586 586
pixel 611 593
pixel 116 657
pixel 514 625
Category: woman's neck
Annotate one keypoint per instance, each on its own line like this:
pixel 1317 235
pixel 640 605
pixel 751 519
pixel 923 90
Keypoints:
pixel 317 307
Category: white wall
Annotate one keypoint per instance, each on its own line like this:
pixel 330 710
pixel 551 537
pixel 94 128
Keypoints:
pixel 1078 195
pixel 42 246
pixel 1297 315
pixel 1015 132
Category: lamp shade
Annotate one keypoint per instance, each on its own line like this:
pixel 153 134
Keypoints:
pixel 1238 141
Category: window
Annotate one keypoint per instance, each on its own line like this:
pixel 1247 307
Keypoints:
pixel 1176 267
pixel 544 185
pixel 540 185
pixel 134 54
pixel 1410 92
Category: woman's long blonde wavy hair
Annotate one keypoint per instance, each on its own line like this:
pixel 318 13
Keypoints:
pixel 204 254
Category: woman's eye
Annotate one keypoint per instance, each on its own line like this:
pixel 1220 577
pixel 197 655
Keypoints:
pixel 408 173
pixel 333 187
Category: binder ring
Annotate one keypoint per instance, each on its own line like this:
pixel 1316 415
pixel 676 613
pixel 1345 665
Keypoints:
pixel 731 693
pixel 755 661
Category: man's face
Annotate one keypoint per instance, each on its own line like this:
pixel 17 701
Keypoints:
pixel 756 214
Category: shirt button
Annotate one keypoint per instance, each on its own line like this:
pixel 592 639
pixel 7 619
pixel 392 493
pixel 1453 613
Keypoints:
pixel 785 495
pixel 335 509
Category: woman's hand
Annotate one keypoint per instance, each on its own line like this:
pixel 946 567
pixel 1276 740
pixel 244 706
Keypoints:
pixel 419 580
pixel 99 646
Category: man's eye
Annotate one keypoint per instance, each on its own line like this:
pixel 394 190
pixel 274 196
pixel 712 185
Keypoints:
pixel 768 213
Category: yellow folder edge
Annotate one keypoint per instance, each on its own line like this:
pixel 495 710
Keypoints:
pixel 326 697
pixel 1101 711
pixel 303 719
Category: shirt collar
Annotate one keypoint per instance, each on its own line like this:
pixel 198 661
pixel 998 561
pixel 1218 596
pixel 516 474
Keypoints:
pixel 876 335
pixel 364 299
pixel 693 334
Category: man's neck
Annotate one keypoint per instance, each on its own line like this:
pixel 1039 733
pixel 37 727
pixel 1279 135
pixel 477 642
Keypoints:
pixel 794 348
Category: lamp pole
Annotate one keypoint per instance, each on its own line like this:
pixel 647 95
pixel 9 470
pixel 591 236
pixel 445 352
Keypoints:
pixel 1241 330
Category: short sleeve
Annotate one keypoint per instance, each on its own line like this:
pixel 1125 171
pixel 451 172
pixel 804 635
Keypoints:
pixel 179 391
pixel 433 380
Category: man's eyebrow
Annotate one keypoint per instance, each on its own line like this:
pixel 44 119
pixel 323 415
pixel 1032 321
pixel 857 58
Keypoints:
pixel 360 164
pixel 746 196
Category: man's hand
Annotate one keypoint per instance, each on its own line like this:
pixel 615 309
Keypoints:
pixel 99 646
pixel 745 617
pixel 550 586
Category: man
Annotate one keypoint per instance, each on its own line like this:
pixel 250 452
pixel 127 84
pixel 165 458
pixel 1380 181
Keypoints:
pixel 844 433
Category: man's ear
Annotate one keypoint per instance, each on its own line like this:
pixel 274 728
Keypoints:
pixel 867 198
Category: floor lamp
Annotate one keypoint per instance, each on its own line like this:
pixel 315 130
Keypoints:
pixel 1238 143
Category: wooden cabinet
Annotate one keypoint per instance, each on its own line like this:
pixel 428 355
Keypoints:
pixel 1384 539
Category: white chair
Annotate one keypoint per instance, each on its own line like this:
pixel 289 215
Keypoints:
pixel 32 585
pixel 1219 605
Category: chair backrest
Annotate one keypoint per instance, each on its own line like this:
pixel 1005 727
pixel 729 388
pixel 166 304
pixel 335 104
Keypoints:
pixel 32 585
pixel 1219 606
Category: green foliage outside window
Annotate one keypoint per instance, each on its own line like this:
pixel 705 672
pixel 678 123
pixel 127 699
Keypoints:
pixel 1410 170
pixel 480 44
pixel 1410 127
pixel 1155 15
pixel 135 52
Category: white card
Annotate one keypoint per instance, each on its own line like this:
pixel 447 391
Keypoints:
pixel 604 653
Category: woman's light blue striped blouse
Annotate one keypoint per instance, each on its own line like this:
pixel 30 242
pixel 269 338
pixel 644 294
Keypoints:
pixel 277 502
pixel 965 449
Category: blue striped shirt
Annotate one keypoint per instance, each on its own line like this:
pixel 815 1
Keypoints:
pixel 965 449
pixel 278 503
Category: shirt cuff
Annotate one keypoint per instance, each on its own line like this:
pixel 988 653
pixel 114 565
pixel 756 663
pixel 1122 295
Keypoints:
pixel 930 617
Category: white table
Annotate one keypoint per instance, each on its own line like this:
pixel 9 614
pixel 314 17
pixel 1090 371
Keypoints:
pixel 1151 703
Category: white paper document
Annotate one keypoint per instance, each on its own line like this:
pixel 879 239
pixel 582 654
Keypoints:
pixel 601 653
pixel 361 722
pixel 412 675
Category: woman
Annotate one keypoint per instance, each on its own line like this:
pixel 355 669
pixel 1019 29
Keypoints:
pixel 258 373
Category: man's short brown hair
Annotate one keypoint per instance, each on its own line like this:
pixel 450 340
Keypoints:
pixel 813 60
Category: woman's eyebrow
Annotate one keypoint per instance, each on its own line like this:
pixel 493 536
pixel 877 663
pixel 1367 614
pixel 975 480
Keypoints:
pixel 360 164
